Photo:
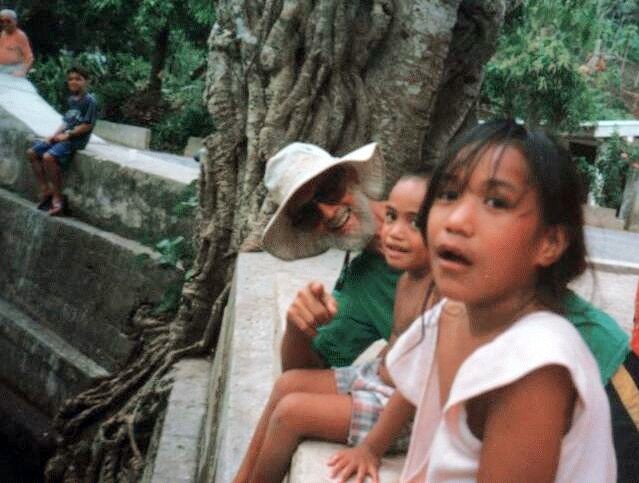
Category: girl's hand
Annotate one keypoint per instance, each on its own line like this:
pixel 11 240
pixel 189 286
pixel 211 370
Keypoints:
pixel 359 460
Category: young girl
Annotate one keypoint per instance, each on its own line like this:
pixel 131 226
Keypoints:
pixel 512 393
pixel 343 404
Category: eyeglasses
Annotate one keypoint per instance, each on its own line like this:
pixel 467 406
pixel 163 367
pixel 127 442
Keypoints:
pixel 329 189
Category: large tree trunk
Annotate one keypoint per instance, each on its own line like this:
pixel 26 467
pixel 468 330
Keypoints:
pixel 338 73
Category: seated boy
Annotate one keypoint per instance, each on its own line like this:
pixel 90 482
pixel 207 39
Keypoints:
pixel 49 157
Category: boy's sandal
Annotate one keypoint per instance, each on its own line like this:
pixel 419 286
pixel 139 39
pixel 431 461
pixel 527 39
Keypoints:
pixel 57 208
pixel 45 203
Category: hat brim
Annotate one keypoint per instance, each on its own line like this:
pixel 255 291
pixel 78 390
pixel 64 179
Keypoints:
pixel 285 241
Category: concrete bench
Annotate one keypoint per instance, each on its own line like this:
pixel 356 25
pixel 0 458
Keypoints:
pixel 247 364
pixel 124 134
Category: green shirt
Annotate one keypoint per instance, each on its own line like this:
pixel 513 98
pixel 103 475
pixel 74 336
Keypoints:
pixel 365 292
pixel 603 336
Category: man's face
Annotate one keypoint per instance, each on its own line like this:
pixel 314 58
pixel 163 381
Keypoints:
pixel 334 206
pixel 7 24
pixel 77 83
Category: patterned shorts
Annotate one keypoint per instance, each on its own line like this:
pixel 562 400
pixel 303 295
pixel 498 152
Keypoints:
pixel 370 394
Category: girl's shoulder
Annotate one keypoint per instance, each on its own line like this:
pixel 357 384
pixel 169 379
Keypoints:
pixel 536 340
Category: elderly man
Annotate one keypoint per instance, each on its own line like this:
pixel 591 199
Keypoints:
pixel 15 52
pixel 331 202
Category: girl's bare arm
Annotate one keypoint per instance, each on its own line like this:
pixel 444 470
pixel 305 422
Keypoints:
pixel 523 427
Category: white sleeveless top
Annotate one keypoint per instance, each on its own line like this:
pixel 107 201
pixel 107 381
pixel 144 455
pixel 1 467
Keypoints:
pixel 536 340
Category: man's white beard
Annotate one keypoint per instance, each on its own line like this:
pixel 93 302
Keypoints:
pixel 365 230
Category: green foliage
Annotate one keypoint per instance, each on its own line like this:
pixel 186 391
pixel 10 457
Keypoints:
pixel 188 201
pixel 113 79
pixel 170 300
pixel 545 69
pixel 536 79
pixel 612 162
pixel 178 252
pixel 116 39
pixel 171 250
pixel 188 117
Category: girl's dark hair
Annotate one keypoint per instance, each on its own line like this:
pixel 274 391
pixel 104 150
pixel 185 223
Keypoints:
pixel 552 174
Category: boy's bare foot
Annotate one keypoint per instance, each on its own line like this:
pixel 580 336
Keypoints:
pixel 57 207
pixel 45 202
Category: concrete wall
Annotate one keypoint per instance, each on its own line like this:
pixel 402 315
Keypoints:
pixel 124 134
pixel 124 190
pixel 80 281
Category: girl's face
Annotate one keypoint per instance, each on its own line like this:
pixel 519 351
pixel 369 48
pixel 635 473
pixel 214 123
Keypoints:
pixel 485 233
pixel 403 244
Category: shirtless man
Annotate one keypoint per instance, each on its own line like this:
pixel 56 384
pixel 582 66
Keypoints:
pixel 16 57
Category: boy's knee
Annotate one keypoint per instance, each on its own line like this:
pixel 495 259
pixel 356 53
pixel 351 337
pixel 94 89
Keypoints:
pixel 287 383
pixel 289 412
pixel 50 160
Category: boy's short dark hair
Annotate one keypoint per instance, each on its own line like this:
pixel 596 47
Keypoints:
pixel 78 69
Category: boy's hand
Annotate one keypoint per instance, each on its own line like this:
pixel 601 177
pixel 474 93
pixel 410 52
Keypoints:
pixel 359 460
pixel 312 307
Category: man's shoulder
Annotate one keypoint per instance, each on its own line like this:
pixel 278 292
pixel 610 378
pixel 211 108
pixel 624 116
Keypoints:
pixel 371 262
pixel 603 335
pixel 369 274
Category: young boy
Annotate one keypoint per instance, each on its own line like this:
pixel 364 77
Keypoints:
pixel 343 404
pixel 49 157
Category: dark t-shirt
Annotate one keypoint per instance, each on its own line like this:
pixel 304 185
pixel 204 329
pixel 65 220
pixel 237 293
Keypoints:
pixel 81 110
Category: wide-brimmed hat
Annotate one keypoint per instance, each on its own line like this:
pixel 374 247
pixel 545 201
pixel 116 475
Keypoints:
pixel 294 166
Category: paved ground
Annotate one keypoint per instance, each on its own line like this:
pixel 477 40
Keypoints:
pixel 613 244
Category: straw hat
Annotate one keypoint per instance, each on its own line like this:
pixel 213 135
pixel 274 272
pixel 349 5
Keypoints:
pixel 294 166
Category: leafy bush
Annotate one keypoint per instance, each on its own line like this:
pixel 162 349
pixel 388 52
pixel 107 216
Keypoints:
pixel 612 163
pixel 187 117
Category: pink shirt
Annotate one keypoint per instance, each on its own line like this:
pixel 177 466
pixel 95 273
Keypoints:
pixel 442 447
pixel 15 49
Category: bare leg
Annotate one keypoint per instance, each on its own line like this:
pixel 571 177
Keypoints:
pixel 293 381
pixel 38 171
pixel 54 174
pixel 300 415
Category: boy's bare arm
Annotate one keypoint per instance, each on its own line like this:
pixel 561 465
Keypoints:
pixel 365 459
pixel 389 426
pixel 79 130
pixel 57 132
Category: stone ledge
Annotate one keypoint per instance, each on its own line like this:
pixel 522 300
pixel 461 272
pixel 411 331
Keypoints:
pixel 56 369
pixel 128 191
pixel 178 450
pixel 124 134
pixel 80 281
pixel 309 464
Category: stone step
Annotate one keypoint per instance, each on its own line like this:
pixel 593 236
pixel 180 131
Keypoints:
pixel 128 191
pixel 39 364
pixel 81 282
